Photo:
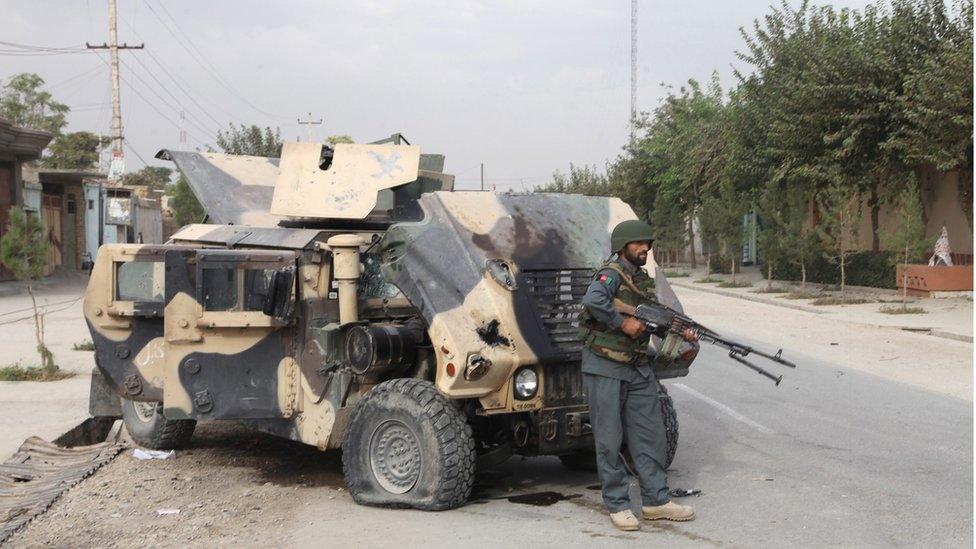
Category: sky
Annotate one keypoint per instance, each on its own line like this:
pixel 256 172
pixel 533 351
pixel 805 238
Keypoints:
pixel 524 87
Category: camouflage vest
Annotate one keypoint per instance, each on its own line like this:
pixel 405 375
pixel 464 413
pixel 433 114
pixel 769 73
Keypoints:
pixel 612 343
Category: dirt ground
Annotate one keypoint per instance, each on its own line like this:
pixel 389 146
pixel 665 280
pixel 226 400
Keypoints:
pixel 214 509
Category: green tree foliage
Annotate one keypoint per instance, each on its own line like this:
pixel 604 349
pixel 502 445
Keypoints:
pixel 831 92
pixel 23 102
pixel 787 237
pixel 670 235
pixel 828 102
pixel 24 251
pixel 75 151
pixel 186 208
pixel 334 140
pixel 937 98
pixel 908 234
pixel 250 140
pixel 580 180
pixel 840 207
pixel 151 176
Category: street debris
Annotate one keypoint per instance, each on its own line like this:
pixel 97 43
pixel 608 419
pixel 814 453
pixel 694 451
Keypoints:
pixel 167 512
pixel 681 492
pixel 139 453
pixel 39 473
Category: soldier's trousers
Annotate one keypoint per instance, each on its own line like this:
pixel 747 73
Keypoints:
pixel 628 412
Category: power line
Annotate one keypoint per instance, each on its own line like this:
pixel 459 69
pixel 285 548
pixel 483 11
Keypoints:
pixel 31 50
pixel 188 94
pixel 167 103
pixel 208 67
pixel 135 152
pixel 175 80
pixel 160 97
pixel 153 106
pixel 75 77
pixel 34 47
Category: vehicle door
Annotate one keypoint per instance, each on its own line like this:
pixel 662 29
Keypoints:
pixel 229 319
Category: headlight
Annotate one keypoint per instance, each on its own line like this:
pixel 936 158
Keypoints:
pixel 526 383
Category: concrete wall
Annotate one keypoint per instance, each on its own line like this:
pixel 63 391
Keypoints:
pixel 944 197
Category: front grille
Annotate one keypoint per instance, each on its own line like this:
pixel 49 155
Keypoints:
pixel 556 295
pixel 562 385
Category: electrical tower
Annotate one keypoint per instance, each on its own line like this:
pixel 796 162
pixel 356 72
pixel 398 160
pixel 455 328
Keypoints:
pixel 113 48
pixel 308 126
pixel 633 68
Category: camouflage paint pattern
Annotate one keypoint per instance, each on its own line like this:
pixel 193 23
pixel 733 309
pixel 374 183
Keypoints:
pixel 496 278
pixel 442 265
pixel 348 188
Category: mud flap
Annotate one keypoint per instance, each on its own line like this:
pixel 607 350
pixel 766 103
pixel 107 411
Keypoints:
pixel 102 399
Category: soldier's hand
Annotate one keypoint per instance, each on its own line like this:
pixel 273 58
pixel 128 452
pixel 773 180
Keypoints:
pixel 632 327
pixel 689 335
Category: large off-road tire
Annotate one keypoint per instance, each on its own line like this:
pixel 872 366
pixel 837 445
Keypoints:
pixel 407 446
pixel 148 428
pixel 670 423
pixel 586 460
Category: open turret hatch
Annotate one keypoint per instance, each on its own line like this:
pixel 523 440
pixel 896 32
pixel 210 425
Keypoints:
pixel 378 183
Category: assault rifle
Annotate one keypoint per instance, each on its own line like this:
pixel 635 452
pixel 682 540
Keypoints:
pixel 662 320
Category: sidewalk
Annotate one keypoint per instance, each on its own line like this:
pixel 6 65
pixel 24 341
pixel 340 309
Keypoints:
pixel 47 409
pixel 950 318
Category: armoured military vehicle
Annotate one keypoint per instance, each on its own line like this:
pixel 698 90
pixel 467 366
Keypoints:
pixel 350 298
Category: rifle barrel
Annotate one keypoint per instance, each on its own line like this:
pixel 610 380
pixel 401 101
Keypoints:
pixel 745 350
pixel 737 357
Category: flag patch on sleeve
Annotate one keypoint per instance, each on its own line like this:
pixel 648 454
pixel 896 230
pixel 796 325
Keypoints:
pixel 606 279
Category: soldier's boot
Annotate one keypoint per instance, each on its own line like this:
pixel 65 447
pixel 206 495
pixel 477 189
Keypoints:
pixel 669 511
pixel 625 520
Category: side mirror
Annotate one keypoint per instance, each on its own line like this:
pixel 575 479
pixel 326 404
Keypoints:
pixel 278 303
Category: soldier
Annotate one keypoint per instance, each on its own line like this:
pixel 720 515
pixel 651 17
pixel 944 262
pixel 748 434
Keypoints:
pixel 620 384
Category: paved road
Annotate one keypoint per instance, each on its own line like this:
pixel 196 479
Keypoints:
pixel 832 457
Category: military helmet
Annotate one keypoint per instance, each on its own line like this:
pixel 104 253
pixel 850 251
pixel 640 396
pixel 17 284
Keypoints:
pixel 629 231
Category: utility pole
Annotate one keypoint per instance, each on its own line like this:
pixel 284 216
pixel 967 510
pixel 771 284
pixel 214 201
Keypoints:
pixel 482 176
pixel 182 131
pixel 308 125
pixel 633 69
pixel 113 47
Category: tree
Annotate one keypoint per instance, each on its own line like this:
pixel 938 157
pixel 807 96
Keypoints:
pixel 710 227
pixel 24 250
pixel 585 180
pixel 937 97
pixel 334 140
pixel 250 140
pixel 23 102
pixel 908 236
pixel 669 227
pixel 786 237
pixel 76 151
pixel 831 92
pixel 154 177
pixel 186 208
pixel 721 220
pixel 840 206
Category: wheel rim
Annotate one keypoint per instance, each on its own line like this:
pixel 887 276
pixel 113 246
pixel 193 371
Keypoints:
pixel 394 456
pixel 145 411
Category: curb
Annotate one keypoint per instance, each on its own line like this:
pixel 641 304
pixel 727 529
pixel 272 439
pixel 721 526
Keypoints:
pixel 747 297
pixel 927 331
pixel 950 335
